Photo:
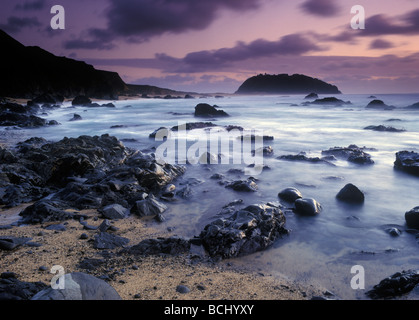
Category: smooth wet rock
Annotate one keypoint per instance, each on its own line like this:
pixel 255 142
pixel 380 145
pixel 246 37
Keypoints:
pixel 412 218
pixel 302 157
pixel 248 185
pixel 396 285
pixel 206 110
pixel 290 194
pixel 56 227
pixel 76 117
pixel 351 194
pixel 330 101
pixel 378 104
pixel 79 286
pixel 307 207
pixel 182 289
pixel 246 231
pixel 408 162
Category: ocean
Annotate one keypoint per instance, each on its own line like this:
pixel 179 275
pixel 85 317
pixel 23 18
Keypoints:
pixel 319 250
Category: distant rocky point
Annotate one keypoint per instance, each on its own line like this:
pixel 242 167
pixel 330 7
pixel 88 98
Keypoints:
pixel 285 84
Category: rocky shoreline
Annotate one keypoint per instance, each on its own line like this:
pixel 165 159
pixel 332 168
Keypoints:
pixel 89 204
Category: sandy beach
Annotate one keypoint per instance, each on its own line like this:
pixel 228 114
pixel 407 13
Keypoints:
pixel 141 277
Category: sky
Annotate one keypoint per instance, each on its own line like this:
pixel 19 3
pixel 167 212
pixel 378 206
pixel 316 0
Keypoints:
pixel 210 46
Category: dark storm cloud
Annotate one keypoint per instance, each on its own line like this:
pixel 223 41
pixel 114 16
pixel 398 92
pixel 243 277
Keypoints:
pixel 93 39
pixel 147 18
pixel 16 24
pixel 31 5
pixel 139 20
pixel 322 8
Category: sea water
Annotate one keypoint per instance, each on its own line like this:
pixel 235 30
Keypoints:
pixel 319 250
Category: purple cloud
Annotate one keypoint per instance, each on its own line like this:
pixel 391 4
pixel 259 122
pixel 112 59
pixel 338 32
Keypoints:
pixel 322 8
pixel 16 24
pixel 381 44
pixel 31 5
pixel 140 20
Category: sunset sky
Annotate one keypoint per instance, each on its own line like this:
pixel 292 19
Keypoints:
pixel 214 45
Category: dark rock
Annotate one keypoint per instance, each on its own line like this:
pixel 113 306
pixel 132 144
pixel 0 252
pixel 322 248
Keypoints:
pixel 394 232
pixel 188 96
pixel 408 162
pixel 45 211
pixel 76 117
pixel 287 84
pixel 148 207
pixel 81 100
pixel 246 231
pixel 56 227
pixel 302 157
pixel 412 218
pixel 105 240
pixel 307 207
pixel 91 264
pixel 10 243
pixel 350 193
pixel 84 236
pixel 13 289
pixel 312 96
pixel 330 101
pixel 206 110
pixel 414 106
pixel 396 285
pixel 248 185
pixel 379 104
pixel 171 246
pixel 79 286
pixel 182 289
pixel 114 211
pixel 21 120
pixel 384 128
pixel 290 194
pixel 194 125
pixel 352 153
pixel 266 151
pixel 104 226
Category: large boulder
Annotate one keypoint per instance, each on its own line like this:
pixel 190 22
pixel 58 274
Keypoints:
pixel 206 110
pixel 307 207
pixel 79 286
pixel 45 211
pixel 408 162
pixel 396 285
pixel 412 218
pixel 352 153
pixel 350 193
pixel 247 230
pixel 290 194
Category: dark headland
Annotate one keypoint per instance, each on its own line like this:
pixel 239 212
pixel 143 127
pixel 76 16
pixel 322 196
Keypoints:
pixel 285 84
pixel 30 71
